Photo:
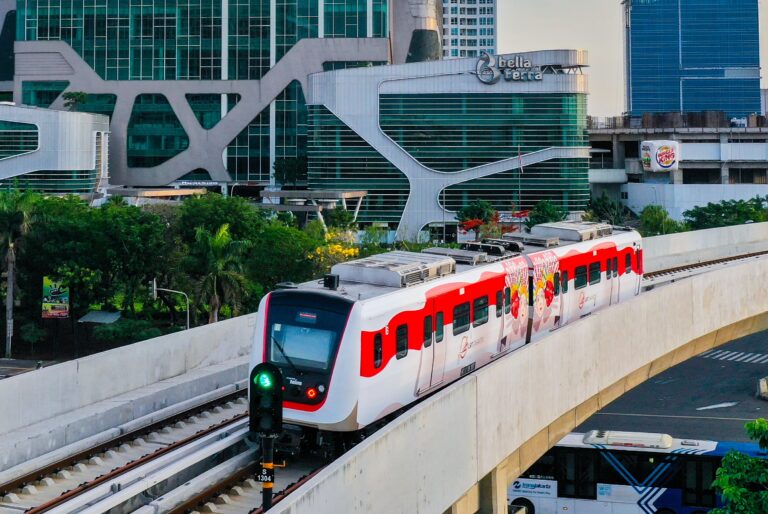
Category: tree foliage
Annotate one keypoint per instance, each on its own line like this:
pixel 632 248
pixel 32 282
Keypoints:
pixel 605 209
pixel 290 170
pixel 545 211
pixel 655 220
pixel 727 213
pixel 474 216
pixel 340 218
pixel 74 99
pixel 741 480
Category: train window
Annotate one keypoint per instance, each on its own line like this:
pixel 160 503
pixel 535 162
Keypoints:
pixel 615 266
pixel 565 281
pixel 557 283
pixel 608 269
pixel 507 300
pixel 401 341
pixel 427 331
pixel 480 308
pixel 378 351
pixel 461 318
pixel 628 263
pixel 439 329
pixel 594 273
pixel 499 303
pixel 580 279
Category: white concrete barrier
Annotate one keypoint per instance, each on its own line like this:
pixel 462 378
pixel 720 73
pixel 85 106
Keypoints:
pixel 673 250
pixel 46 409
pixel 427 459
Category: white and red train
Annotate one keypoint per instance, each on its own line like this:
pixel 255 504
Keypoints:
pixel 382 332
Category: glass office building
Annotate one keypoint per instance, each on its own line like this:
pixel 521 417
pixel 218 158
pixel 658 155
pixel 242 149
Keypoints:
pixel 443 138
pixel 693 55
pixel 186 42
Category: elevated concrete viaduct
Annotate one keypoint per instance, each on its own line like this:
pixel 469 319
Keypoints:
pixel 457 452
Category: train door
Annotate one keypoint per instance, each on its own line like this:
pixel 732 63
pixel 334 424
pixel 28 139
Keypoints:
pixel 432 363
pixel 615 280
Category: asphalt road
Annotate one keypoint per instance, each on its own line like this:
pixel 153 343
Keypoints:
pixel 725 380
pixel 10 367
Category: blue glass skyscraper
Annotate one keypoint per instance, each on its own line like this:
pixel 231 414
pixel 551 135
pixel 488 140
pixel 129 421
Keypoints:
pixel 692 55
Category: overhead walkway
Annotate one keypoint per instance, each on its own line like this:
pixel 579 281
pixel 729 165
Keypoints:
pixel 458 451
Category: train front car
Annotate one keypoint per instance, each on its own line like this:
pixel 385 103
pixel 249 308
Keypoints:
pixel 306 334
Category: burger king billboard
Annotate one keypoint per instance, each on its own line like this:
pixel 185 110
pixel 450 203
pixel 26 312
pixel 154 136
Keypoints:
pixel 660 156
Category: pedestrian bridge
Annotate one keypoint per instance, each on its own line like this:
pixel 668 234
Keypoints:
pixel 458 451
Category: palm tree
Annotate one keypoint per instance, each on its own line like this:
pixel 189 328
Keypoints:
pixel 222 280
pixel 16 217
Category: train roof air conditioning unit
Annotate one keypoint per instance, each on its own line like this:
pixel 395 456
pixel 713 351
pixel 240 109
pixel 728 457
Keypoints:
pixel 395 269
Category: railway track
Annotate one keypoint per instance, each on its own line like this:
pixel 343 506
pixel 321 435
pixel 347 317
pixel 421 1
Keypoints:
pixel 672 274
pixel 87 478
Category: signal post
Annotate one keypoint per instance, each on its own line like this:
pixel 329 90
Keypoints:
pixel 266 420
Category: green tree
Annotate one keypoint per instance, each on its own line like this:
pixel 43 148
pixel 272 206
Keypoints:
pixel 544 211
pixel 74 99
pixel 742 480
pixel 281 254
pixel 340 218
pixel 212 210
pixel 290 170
pixel 476 214
pixel 727 213
pixel 655 220
pixel 221 280
pixel 605 209
pixel 17 214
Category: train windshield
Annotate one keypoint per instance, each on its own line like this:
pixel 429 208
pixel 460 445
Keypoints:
pixel 303 336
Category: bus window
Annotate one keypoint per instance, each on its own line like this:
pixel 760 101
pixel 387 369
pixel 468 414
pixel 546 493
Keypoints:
pixel 628 263
pixel 507 300
pixel 575 472
pixel 461 318
pixel 565 281
pixel 699 474
pixel 608 269
pixel 615 266
pixel 594 273
pixel 580 279
pixel 439 330
pixel 377 351
pixel 401 341
pixel 499 303
pixel 480 308
pixel 427 331
pixel 544 469
pixel 557 283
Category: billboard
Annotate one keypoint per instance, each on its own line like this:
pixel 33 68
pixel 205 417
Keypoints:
pixel 55 299
pixel 660 156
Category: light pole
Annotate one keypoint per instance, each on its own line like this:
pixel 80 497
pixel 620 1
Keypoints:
pixel 155 289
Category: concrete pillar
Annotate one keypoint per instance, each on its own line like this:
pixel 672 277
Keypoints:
pixel 493 492
pixel 467 504
pixel 677 176
pixel 725 173
pixel 619 156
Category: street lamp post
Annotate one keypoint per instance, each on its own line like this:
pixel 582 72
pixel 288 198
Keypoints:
pixel 155 289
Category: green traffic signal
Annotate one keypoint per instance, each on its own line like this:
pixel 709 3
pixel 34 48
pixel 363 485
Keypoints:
pixel 264 380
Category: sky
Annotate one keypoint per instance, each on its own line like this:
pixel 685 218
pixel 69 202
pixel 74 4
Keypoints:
pixel 593 25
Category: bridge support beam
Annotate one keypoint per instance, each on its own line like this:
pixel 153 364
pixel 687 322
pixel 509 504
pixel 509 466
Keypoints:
pixel 493 492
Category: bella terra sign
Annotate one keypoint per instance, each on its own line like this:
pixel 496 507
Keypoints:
pixel 491 68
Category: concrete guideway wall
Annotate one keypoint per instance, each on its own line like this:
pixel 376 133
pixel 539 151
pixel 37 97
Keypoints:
pixel 53 391
pixel 459 450
pixel 674 250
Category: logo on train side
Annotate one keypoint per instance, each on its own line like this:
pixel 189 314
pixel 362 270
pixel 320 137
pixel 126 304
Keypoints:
pixel 516 68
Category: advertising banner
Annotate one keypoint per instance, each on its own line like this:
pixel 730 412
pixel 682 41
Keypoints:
pixel 530 487
pixel 660 156
pixel 55 299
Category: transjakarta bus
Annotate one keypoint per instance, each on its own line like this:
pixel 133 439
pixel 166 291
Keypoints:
pixel 624 473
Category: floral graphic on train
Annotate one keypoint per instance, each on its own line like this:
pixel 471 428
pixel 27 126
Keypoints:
pixel 516 279
pixel 545 303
